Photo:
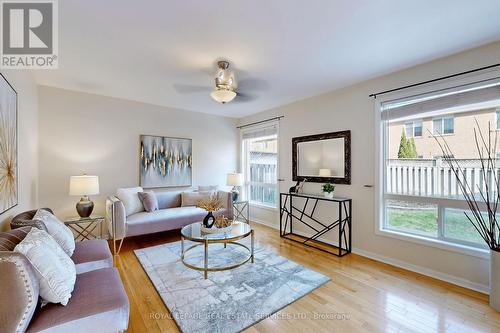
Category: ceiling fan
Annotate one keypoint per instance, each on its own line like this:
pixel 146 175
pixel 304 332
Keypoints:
pixel 226 88
pixel 225 84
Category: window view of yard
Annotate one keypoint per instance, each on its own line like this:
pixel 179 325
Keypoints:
pixel 421 219
pixel 457 226
pixel 412 217
pixel 426 139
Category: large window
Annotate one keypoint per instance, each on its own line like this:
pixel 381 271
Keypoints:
pixel 260 160
pixel 420 197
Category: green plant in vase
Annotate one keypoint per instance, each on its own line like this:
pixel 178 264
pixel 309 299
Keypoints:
pixel 328 190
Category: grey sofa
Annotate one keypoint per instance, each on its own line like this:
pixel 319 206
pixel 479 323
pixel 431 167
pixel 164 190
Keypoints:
pixel 98 302
pixel 170 216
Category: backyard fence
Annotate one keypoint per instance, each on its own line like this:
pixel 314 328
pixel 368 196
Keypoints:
pixel 433 177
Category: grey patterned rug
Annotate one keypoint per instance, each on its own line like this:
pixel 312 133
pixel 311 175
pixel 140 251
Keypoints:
pixel 228 301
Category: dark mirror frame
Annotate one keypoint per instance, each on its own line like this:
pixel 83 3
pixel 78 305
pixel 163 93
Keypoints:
pixel 346 135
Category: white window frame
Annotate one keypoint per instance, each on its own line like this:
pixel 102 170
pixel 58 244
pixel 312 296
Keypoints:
pixel 245 166
pixel 381 136
pixel 442 118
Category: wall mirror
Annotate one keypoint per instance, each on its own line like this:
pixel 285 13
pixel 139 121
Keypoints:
pixel 322 158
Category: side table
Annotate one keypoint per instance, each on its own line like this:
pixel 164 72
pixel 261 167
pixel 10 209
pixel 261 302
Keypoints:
pixel 241 207
pixel 86 227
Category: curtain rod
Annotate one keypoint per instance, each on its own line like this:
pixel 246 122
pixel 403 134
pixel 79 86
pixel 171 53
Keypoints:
pixel 260 122
pixel 374 95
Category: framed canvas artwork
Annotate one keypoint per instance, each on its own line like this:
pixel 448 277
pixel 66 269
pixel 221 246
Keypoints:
pixel 8 146
pixel 165 161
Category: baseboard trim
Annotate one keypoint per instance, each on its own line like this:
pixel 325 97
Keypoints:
pixel 266 223
pixel 424 271
pixel 401 264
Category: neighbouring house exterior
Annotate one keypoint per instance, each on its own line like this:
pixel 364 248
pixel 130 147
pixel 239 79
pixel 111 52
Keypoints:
pixel 456 128
pixel 263 171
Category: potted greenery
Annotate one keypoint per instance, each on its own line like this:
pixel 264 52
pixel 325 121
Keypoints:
pixel 328 190
pixel 483 202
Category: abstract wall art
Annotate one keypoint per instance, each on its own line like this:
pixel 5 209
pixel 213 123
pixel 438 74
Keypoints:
pixel 165 162
pixel 8 146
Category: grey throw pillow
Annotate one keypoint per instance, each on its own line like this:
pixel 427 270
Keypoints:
pixel 149 201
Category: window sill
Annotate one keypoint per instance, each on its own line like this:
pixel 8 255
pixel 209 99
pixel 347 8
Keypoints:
pixel 262 206
pixel 463 249
pixel 439 135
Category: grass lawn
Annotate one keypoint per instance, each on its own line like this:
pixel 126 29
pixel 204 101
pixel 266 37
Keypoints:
pixel 424 222
pixel 458 226
pixel 421 221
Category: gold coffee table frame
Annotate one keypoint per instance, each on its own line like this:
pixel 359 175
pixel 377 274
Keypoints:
pixel 205 241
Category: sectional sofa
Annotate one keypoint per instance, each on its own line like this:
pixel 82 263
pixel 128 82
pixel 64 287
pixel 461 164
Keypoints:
pixel 98 302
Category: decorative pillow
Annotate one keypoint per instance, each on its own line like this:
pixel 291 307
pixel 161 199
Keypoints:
pixel 192 198
pixel 149 201
pixel 61 233
pixel 130 199
pixel 55 271
pixel 10 238
pixel 208 188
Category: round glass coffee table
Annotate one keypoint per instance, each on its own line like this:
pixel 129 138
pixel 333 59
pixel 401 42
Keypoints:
pixel 194 233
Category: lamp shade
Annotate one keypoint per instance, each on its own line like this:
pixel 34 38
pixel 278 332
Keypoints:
pixel 325 172
pixel 83 185
pixel 223 95
pixel 234 179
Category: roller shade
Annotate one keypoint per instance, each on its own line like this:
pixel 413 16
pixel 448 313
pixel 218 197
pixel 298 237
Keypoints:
pixel 472 96
pixel 259 132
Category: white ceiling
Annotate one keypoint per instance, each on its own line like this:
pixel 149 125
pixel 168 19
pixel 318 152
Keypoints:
pixel 160 51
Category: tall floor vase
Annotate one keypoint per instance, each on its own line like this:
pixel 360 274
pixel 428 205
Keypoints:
pixel 495 280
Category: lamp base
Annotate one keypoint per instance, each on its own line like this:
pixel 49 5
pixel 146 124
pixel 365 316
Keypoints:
pixel 235 193
pixel 84 207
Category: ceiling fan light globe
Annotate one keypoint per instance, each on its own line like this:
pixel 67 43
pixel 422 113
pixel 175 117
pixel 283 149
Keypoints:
pixel 223 95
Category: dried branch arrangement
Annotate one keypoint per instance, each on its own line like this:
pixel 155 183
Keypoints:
pixel 222 222
pixel 483 199
pixel 212 204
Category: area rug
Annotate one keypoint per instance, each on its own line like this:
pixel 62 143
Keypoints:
pixel 228 301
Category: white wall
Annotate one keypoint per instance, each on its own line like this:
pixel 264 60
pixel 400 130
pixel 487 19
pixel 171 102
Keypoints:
pixel 23 82
pixel 100 135
pixel 351 109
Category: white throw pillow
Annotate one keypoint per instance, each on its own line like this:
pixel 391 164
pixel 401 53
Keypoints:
pixel 61 233
pixel 130 199
pixel 55 271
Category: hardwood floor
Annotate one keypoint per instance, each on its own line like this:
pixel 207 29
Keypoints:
pixel 363 296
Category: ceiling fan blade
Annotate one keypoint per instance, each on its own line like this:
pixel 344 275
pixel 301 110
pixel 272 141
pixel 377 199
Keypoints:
pixel 253 84
pixel 189 89
pixel 243 97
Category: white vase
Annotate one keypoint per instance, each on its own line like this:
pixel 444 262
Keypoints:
pixel 328 195
pixel 495 279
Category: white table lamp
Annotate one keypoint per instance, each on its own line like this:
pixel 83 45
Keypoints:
pixel 84 186
pixel 235 179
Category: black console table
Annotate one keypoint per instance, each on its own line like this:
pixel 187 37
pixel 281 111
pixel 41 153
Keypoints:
pixel 295 211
